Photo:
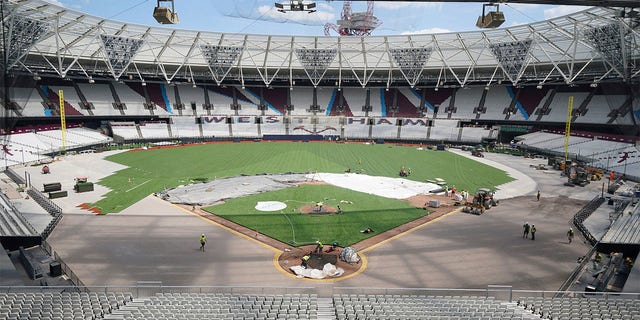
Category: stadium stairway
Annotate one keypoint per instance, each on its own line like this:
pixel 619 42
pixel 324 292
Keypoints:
pixel 326 309
pixel 12 222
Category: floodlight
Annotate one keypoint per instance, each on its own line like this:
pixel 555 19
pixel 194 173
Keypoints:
pixel 295 5
pixel 165 15
pixel 491 19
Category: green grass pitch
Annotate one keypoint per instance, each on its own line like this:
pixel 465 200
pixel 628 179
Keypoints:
pixel 150 171
pixel 291 226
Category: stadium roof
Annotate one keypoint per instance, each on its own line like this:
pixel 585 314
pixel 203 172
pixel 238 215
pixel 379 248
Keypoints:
pixel 598 44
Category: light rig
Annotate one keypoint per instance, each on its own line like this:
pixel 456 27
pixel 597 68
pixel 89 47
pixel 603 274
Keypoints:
pixel 165 14
pixel 353 23
pixel 296 5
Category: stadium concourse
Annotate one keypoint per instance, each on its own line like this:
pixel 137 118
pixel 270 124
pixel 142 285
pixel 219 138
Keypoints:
pixel 457 250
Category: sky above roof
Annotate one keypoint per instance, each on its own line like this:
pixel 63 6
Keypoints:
pixel 261 17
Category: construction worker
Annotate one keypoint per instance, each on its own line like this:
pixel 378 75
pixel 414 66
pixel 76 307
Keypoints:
pixel 318 247
pixel 533 232
pixel 334 247
pixel 570 234
pixel 304 261
pixel 538 196
pixel 598 257
pixel 526 228
pixel 203 241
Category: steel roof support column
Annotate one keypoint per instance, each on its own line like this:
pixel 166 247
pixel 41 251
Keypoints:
pixel 265 76
pixel 340 57
pixel 471 58
pixel 444 60
pixel 363 52
pixel 291 51
pixel 390 58
pixel 63 71
pixel 239 65
pixel 187 57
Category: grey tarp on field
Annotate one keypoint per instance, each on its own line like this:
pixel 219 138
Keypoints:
pixel 227 188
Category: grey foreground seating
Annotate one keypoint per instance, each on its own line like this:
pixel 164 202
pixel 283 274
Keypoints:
pixel 583 308
pixel 349 307
pixel 220 306
pixel 60 305
pixel 122 306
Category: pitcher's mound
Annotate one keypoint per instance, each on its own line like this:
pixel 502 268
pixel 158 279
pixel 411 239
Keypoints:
pixel 313 209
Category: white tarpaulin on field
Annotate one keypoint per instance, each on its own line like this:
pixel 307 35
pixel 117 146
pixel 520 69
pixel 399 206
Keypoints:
pixel 270 205
pixel 349 255
pixel 328 271
pixel 228 188
pixel 395 188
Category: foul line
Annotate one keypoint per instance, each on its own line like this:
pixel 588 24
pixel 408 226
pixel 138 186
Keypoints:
pixel 138 185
